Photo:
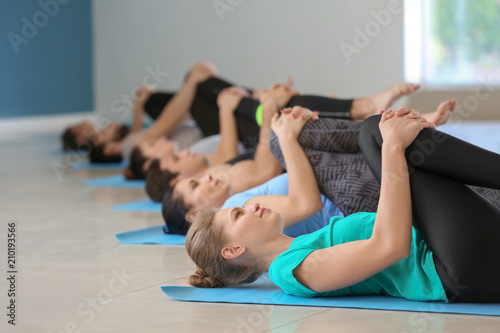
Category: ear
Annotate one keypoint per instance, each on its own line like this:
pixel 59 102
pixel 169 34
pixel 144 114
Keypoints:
pixel 173 181
pixel 192 214
pixel 232 251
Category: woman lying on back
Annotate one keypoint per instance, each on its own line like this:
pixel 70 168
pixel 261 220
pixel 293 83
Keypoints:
pixel 425 239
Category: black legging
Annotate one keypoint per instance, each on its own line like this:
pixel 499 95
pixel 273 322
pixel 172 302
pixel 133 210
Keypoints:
pixel 327 107
pixel 248 129
pixel 460 227
pixel 206 113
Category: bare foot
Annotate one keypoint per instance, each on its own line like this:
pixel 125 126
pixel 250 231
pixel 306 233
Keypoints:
pixel 201 71
pixel 142 94
pixel 362 108
pixel 443 112
pixel 384 99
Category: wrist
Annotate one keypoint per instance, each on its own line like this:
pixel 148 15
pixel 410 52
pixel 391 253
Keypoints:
pixel 393 148
pixel 269 108
pixel 226 110
pixel 192 80
pixel 285 137
pixel 270 104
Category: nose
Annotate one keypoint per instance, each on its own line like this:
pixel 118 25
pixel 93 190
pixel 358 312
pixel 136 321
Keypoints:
pixel 253 208
pixel 185 152
pixel 208 178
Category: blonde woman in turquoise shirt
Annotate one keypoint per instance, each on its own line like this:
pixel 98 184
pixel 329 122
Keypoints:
pixel 432 238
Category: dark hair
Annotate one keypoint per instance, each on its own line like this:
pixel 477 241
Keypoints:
pixel 96 155
pixel 174 212
pixel 69 140
pixel 121 133
pixel 158 181
pixel 137 160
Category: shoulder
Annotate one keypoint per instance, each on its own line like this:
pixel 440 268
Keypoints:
pixel 283 271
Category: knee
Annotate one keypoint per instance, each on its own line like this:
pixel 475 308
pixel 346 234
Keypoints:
pixel 369 130
pixel 274 145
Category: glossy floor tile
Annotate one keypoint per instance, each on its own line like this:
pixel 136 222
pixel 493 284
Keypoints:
pixel 73 276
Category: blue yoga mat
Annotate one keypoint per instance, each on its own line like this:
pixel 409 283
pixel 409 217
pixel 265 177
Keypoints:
pixel 97 166
pixel 140 206
pixel 115 181
pixel 263 291
pixel 153 235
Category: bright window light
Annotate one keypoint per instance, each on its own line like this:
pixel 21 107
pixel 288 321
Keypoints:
pixel 452 42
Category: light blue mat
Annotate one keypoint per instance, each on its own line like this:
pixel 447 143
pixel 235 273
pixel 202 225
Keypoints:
pixel 153 235
pixel 140 206
pixel 115 181
pixel 263 291
pixel 97 166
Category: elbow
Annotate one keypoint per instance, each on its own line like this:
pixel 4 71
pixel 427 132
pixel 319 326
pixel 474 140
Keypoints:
pixel 316 206
pixel 309 208
pixel 399 250
pixel 402 253
pixel 393 250
pixel 275 170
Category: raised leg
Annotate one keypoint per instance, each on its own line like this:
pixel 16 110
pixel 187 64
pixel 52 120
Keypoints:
pixel 460 226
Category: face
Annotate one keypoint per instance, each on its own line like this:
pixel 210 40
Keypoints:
pixel 204 192
pixel 106 135
pixel 84 131
pixel 251 226
pixel 158 148
pixel 184 163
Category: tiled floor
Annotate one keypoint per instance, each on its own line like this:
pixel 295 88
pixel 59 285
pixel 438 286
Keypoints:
pixel 73 276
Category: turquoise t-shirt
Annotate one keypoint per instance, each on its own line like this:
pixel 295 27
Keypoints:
pixel 414 277
pixel 279 186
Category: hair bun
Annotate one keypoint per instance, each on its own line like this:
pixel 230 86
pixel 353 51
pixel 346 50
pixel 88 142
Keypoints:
pixel 201 279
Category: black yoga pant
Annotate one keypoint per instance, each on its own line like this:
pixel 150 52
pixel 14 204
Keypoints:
pixel 248 129
pixel 206 113
pixel 331 146
pixel 156 102
pixel 327 107
pixel 460 227
pixel 203 108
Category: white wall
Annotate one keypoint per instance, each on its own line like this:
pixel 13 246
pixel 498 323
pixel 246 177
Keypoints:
pixel 257 43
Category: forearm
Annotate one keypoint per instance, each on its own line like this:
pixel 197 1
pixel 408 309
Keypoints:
pixel 303 190
pixel 228 145
pixel 394 215
pixel 176 109
pixel 137 119
pixel 264 160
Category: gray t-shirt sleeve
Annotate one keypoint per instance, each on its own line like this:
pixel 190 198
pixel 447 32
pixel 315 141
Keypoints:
pixel 210 144
pixel 186 134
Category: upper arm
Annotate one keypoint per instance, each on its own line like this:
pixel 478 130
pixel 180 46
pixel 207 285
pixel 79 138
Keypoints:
pixel 344 265
pixel 248 174
pixel 292 213
pixel 215 158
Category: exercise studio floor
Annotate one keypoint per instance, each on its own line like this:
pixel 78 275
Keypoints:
pixel 73 276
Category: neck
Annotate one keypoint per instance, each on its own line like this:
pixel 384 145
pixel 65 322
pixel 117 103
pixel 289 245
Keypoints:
pixel 272 250
pixel 220 204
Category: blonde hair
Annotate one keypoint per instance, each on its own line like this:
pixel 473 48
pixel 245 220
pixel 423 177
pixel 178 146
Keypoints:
pixel 204 243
